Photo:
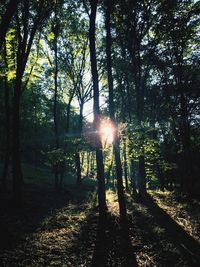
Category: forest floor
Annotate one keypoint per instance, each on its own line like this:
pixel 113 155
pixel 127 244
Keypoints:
pixel 62 229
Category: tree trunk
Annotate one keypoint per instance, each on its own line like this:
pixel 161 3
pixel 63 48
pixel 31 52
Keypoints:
pixel 187 176
pixel 77 155
pixel 68 115
pixel 16 157
pixel 55 108
pixel 141 176
pixel 78 168
pixel 125 166
pixel 7 126
pixel 82 160
pixel 109 173
pixel 88 164
pixel 140 110
pixel 133 177
pixel 99 155
pixel 116 145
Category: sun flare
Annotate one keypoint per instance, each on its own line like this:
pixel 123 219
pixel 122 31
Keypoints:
pixel 107 130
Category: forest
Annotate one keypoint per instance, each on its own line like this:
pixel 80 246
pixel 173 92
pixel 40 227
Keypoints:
pixel 100 133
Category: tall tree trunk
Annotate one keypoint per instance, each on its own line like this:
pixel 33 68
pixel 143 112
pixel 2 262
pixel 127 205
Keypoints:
pixel 125 240
pixel 7 126
pixel 133 177
pixel 116 145
pixel 140 111
pixel 68 115
pixel 109 172
pixel 55 109
pixel 78 168
pixel 88 164
pixel 99 155
pixel 16 155
pixel 77 155
pixel 125 166
pixel 187 176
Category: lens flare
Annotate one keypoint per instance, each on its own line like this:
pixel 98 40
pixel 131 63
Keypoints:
pixel 107 131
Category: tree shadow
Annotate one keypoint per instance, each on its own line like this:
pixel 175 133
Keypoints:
pixel 183 246
pixel 39 204
pixel 112 247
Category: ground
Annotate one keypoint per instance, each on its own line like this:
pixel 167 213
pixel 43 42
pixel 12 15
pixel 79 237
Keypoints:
pixel 62 229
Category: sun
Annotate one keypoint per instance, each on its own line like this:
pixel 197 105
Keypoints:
pixel 107 131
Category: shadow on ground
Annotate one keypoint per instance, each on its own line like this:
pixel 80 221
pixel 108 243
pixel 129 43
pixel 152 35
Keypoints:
pixel 112 248
pixel 164 241
pixel 39 204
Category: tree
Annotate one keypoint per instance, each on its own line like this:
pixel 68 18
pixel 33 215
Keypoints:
pixel 27 24
pixel 116 144
pixel 99 156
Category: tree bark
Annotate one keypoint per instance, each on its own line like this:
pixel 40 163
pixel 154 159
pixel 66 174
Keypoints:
pixel 99 155
pixel 78 168
pixel 6 19
pixel 55 107
pixel 77 155
pixel 88 164
pixel 16 154
pixel 125 166
pixel 7 126
pixel 116 145
pixel 133 177
pixel 187 176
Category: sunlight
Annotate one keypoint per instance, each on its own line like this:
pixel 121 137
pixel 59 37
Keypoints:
pixel 107 131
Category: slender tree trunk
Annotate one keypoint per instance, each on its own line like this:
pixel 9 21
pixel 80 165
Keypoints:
pixel 187 176
pixel 140 110
pixel 78 168
pixel 141 175
pixel 133 177
pixel 16 155
pixel 92 161
pixel 77 155
pixel 110 170
pixel 116 145
pixel 99 155
pixel 88 164
pixel 68 115
pixel 55 108
pixel 82 160
pixel 7 126
pixel 125 166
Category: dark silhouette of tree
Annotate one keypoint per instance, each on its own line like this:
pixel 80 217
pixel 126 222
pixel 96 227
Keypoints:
pixel 99 156
pixel 25 36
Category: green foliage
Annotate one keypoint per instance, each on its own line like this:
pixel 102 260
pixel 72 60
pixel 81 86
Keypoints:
pixel 56 156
